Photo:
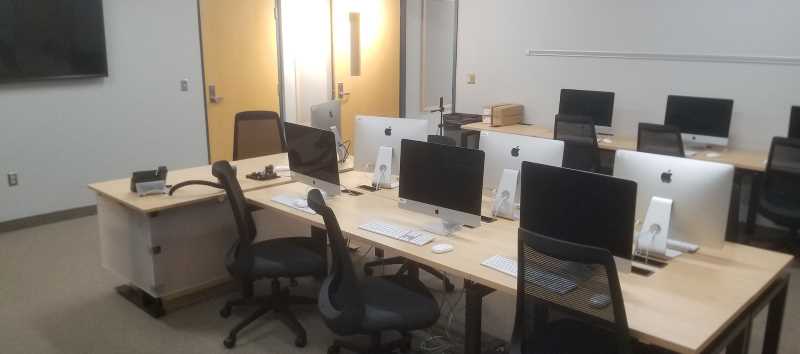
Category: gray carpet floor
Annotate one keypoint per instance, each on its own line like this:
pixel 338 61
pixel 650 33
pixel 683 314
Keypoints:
pixel 56 298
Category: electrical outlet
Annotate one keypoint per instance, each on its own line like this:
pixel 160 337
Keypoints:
pixel 13 179
pixel 471 79
pixel 185 85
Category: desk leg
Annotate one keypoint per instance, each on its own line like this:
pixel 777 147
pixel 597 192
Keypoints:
pixel 752 204
pixel 472 328
pixel 772 335
pixel 153 306
pixel 321 236
pixel 741 344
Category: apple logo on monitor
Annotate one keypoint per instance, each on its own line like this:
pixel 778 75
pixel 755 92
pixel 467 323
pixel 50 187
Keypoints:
pixel 666 177
pixel 515 152
pixel 388 131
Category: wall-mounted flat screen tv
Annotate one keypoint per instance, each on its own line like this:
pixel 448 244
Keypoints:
pixel 52 39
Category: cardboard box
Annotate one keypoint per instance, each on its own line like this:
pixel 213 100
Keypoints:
pixel 506 114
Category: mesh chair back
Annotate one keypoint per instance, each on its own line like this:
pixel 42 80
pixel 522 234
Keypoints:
pixel 782 183
pixel 590 271
pixel 340 300
pixel 580 142
pixel 660 139
pixel 257 133
pixel 442 140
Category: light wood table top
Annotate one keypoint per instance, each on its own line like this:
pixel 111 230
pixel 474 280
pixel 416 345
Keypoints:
pixel 747 160
pixel 682 307
pixel 119 189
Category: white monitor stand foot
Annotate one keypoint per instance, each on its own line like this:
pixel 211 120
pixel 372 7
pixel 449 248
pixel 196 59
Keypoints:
pixel 382 175
pixel 503 204
pixel 653 238
pixel 443 228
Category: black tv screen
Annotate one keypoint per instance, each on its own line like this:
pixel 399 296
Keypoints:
pixel 51 39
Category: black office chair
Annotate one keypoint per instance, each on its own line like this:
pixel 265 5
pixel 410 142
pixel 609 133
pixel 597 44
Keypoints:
pixel 660 139
pixel 249 261
pixel 581 327
pixel 780 193
pixel 370 306
pixel 257 133
pixel 580 142
pixel 794 123
pixel 442 140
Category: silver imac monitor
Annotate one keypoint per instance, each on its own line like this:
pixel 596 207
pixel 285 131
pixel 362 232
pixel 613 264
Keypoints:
pixel 373 132
pixel 327 115
pixel 507 151
pixel 312 157
pixel 700 192
pixel 702 121
pixel 443 181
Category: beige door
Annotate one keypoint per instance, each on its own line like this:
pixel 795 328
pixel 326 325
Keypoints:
pixel 240 62
pixel 366 58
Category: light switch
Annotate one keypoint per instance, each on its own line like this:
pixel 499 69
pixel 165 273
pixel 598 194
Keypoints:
pixel 471 79
pixel 185 85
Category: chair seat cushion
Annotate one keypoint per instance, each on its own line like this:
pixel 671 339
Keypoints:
pixel 573 337
pixel 276 258
pixel 784 213
pixel 397 303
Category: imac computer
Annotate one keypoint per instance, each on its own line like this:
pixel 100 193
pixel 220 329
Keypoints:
pixel 702 121
pixel 596 104
pixel 580 207
pixel 312 157
pixel 443 181
pixel 696 195
pixel 504 156
pixel 374 133
pixel 328 116
pixel 794 123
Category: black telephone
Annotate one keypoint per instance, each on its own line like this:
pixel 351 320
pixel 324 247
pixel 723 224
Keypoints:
pixel 159 174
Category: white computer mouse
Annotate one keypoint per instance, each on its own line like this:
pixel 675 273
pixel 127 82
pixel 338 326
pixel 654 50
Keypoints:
pixel 442 248
pixel 712 155
pixel 301 203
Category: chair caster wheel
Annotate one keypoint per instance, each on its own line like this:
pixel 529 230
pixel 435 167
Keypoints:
pixel 300 342
pixel 334 349
pixel 225 312
pixel 368 271
pixel 230 342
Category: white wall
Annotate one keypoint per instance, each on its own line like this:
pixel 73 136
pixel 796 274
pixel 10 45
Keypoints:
pixel 306 56
pixel 62 135
pixel 494 36
pixel 438 33
pixel 413 57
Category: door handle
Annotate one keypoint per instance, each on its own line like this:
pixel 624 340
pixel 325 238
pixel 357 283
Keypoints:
pixel 340 90
pixel 212 94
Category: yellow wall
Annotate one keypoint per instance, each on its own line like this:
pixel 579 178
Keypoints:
pixel 377 90
pixel 240 57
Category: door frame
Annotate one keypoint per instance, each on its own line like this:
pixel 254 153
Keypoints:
pixel 278 43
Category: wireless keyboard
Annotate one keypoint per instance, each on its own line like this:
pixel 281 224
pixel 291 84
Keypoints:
pixel 546 280
pixel 398 233
pixel 293 202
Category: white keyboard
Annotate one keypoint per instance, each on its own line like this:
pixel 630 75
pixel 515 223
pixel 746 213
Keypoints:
pixel 293 202
pixel 502 264
pixel 546 280
pixel 396 232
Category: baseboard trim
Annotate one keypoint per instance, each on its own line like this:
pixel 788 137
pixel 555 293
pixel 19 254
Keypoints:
pixel 49 218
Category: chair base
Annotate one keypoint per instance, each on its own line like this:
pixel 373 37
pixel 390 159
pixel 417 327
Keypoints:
pixel 277 302
pixel 409 266
pixel 403 344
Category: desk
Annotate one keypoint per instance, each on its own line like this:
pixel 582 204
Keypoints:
pixel 168 246
pixel 696 304
pixel 748 163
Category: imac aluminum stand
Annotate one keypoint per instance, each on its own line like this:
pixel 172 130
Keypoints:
pixel 341 150
pixel 655 230
pixel 503 204
pixel 382 176
pixel 443 228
